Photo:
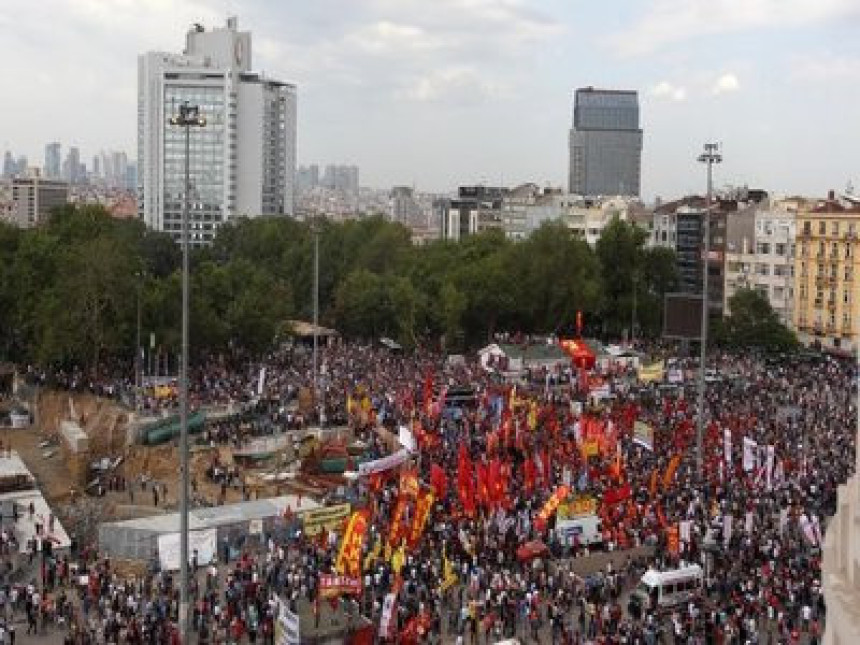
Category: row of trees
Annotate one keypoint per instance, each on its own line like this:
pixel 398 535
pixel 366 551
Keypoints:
pixel 70 290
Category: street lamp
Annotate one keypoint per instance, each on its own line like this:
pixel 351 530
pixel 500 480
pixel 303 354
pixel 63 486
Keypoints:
pixel 710 157
pixel 316 232
pixel 189 116
pixel 138 350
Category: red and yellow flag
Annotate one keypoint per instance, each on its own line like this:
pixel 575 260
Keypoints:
pixel 423 506
pixel 550 507
pixel 349 559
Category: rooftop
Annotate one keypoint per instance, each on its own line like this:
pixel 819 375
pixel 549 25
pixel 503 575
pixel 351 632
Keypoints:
pixel 205 518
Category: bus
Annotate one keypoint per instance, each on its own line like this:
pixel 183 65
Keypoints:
pixel 664 589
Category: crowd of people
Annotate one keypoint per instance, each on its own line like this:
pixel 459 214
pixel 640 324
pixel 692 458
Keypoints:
pixel 777 441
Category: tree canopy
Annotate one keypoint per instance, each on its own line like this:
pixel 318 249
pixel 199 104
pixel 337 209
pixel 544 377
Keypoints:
pixel 753 323
pixel 69 290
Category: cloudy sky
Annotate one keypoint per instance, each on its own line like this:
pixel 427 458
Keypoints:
pixel 440 92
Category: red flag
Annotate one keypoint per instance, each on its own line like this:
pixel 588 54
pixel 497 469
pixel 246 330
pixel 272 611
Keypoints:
pixel 547 468
pixel 438 481
pixel 529 475
pixel 465 481
pixel 483 492
pixel 495 481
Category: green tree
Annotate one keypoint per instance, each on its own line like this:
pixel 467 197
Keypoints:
pixel 752 322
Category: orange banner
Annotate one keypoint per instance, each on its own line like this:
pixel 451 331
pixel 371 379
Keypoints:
pixel 590 448
pixel 349 559
pixel 670 471
pixel 550 507
pixel 422 511
pixel 408 482
pixel 673 542
pixel 396 530
pixel 652 488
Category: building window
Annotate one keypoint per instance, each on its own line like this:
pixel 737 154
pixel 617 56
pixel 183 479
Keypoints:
pixel 779 249
pixel 762 269
pixel 846 297
pixel 847 273
pixel 763 248
pixel 822 228
pixel 834 228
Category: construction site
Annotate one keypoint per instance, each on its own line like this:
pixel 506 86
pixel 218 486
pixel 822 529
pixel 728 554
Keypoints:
pixel 104 470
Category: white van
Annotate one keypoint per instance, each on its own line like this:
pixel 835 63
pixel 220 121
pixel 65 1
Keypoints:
pixel 663 589
pixel 585 530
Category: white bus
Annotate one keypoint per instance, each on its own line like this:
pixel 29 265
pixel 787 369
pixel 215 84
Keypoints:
pixel 662 589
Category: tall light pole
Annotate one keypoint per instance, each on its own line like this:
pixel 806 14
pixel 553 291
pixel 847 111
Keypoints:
pixel 138 359
pixel 710 157
pixel 316 318
pixel 189 116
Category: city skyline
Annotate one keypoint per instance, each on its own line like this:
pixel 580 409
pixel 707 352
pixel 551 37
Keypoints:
pixel 400 88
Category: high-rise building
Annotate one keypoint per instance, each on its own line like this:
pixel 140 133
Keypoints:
pixel 72 166
pixel 242 163
pixel 343 178
pixel 402 206
pixel 9 166
pixel 605 143
pixel 21 166
pixel 53 160
pixel 130 176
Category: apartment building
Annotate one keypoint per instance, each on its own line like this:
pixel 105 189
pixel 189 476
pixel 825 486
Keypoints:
pixel 762 257
pixel 827 268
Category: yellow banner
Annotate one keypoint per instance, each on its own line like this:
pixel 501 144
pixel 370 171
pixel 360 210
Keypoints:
pixel 653 372
pixel 422 512
pixel 590 448
pixel 328 518
pixel 577 507
pixel 349 559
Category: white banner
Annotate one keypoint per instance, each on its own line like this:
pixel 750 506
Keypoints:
pixel 727 528
pixel 386 622
pixel 287 631
pixel 684 530
pixel 386 463
pixel 748 523
pixel 205 542
pixel 727 448
pixel 407 439
pixel 768 466
pixel 261 382
pixel 749 454
pixel 808 529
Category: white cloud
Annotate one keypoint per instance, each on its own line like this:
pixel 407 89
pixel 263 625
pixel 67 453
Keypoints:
pixel 725 84
pixel 827 68
pixel 386 37
pixel 667 22
pixel 665 89
pixel 454 85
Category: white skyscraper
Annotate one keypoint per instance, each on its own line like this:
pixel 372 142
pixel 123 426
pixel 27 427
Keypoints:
pixel 242 163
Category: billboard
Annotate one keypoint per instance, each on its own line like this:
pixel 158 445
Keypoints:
pixel 682 316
